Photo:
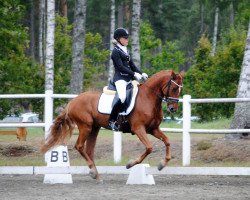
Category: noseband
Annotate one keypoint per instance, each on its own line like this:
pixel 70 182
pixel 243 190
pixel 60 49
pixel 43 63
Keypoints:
pixel 166 97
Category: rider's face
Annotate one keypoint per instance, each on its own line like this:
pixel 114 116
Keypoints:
pixel 124 41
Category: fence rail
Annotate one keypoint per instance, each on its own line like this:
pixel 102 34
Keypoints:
pixel 207 131
pixel 219 100
pixel 34 170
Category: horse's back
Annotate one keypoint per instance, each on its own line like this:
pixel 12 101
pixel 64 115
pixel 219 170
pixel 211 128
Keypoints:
pixel 85 99
pixel 84 104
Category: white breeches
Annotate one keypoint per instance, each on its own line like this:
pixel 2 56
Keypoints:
pixel 121 86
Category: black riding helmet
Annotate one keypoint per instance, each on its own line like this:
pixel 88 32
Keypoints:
pixel 120 32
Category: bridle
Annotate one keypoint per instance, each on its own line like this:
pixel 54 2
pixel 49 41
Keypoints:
pixel 166 97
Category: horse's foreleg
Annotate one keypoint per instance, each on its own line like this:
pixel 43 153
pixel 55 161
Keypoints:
pixel 142 135
pixel 161 136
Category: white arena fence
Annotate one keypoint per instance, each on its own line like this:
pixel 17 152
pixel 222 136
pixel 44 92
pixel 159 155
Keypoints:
pixel 186 129
pixel 35 170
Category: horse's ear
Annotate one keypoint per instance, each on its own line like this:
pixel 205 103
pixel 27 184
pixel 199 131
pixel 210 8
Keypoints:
pixel 182 73
pixel 173 75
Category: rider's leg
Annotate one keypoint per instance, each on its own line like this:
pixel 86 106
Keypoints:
pixel 121 89
pixel 118 107
pixel 115 111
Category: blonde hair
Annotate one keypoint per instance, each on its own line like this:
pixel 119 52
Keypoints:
pixel 114 42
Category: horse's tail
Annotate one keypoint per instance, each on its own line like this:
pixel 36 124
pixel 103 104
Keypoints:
pixel 61 129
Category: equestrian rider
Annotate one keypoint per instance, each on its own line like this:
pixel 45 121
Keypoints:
pixel 125 71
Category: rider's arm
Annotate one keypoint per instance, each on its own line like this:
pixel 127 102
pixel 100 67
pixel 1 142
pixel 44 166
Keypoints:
pixel 133 67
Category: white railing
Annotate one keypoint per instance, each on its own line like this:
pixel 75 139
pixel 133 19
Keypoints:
pixel 187 101
pixel 186 129
pixel 48 108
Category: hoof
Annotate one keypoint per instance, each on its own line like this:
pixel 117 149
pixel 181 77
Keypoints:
pixel 100 181
pixel 161 165
pixel 130 164
pixel 92 174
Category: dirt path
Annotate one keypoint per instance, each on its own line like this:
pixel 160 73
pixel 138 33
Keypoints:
pixel 28 187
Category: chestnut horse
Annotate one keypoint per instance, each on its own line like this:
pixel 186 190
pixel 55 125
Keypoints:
pixel 145 118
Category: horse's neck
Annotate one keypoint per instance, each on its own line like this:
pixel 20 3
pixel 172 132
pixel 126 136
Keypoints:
pixel 155 84
pixel 152 89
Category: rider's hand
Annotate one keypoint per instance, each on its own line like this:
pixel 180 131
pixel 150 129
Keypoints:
pixel 145 76
pixel 138 76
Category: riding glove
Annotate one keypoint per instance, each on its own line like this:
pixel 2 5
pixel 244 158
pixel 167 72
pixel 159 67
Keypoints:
pixel 145 76
pixel 138 76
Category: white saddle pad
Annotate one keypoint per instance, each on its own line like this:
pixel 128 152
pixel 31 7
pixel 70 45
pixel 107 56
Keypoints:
pixel 105 103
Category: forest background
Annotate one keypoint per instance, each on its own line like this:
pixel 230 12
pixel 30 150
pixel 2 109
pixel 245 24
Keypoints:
pixel 173 35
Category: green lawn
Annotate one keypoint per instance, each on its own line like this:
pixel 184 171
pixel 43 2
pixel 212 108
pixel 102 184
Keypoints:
pixel 105 147
pixel 216 124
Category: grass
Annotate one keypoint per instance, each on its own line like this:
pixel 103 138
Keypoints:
pixel 104 149
pixel 216 124
pixel 204 145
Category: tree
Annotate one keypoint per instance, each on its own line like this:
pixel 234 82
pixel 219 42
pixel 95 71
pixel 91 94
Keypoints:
pixel 215 33
pixel 63 54
pixel 150 45
pixel 135 32
pixel 120 14
pixel 63 8
pixel 242 9
pixel 164 17
pixel 201 2
pixel 241 113
pixel 112 30
pixel 18 73
pixel 157 56
pixel 76 83
pixel 41 31
pixel 95 59
pixel 231 17
pixel 194 79
pixel 50 41
pixel 216 77
pixel 220 6
pixel 98 18
pixel 32 30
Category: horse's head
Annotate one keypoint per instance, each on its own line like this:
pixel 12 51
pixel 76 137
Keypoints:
pixel 172 91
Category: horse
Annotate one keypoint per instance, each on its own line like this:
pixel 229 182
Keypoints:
pixel 144 119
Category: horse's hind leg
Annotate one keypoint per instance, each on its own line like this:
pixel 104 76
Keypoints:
pixel 84 133
pixel 90 150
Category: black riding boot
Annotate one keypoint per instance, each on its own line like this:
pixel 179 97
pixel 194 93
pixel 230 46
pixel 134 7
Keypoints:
pixel 118 107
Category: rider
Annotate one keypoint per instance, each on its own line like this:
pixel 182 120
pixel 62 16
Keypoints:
pixel 125 71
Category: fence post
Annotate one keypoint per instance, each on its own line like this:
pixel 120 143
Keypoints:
pixel 117 146
pixel 48 115
pixel 48 111
pixel 186 149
